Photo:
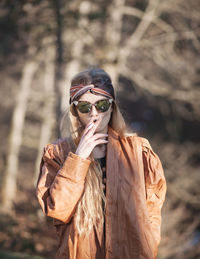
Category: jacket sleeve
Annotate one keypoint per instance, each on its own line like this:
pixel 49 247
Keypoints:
pixel 60 186
pixel 155 185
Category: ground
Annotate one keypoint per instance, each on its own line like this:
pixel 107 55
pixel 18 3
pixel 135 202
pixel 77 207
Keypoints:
pixel 26 232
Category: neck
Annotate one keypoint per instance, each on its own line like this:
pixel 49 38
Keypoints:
pixel 99 151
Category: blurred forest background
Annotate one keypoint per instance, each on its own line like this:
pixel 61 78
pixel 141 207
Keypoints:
pixel 151 48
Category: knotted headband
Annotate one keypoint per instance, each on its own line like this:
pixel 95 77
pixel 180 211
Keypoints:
pixel 78 90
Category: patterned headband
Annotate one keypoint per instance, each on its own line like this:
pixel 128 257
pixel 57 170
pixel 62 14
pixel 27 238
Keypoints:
pixel 77 90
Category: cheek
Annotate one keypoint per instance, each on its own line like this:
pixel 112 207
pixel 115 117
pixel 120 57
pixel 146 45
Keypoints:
pixel 83 118
pixel 106 117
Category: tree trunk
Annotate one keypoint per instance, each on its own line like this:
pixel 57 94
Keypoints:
pixel 72 68
pixel 10 177
pixel 57 5
pixel 48 111
pixel 113 36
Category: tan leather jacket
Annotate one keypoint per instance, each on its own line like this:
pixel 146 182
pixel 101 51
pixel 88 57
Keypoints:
pixel 135 192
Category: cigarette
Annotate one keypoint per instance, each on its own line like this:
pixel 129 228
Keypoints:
pixel 91 125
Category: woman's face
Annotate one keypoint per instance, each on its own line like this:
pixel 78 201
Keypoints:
pixel 93 113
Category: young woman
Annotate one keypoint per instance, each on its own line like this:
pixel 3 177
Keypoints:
pixel 103 187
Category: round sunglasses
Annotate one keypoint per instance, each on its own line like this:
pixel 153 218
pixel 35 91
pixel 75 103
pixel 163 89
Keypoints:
pixel 101 105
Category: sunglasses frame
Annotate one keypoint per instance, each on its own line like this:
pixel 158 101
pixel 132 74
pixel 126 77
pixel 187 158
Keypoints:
pixel 93 104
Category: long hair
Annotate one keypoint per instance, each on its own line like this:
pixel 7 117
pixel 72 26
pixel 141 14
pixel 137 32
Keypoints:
pixel 89 212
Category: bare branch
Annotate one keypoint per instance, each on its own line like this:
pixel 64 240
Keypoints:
pixel 127 10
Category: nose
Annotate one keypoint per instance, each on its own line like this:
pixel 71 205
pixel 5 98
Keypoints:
pixel 94 111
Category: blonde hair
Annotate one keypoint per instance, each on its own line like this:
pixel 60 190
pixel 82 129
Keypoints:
pixel 89 212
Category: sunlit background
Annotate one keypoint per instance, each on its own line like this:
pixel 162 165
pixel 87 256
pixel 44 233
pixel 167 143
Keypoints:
pixel 151 49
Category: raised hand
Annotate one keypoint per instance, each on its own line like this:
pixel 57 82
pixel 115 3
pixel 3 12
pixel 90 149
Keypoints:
pixel 90 139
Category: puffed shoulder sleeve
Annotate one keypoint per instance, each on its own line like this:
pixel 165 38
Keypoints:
pixel 155 185
pixel 60 183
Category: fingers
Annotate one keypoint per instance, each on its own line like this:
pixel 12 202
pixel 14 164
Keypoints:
pixel 85 150
pixel 91 127
pixel 90 139
pixel 98 136
pixel 99 142
pixel 96 124
pixel 93 143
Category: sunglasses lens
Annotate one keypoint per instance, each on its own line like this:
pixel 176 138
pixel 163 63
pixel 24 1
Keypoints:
pixel 103 105
pixel 84 107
